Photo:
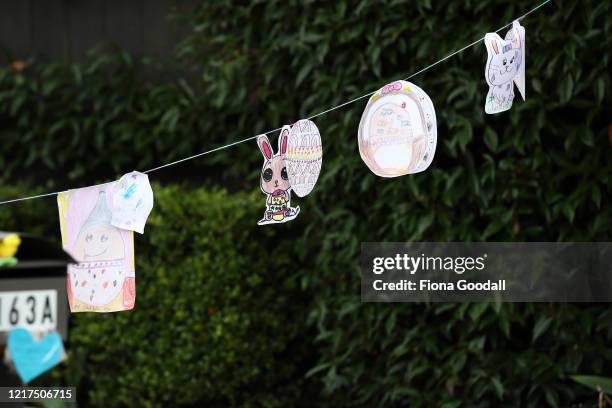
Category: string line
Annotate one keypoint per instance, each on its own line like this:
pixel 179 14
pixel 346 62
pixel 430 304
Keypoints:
pixel 341 105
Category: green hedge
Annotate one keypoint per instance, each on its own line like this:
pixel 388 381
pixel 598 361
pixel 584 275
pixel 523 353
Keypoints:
pixel 70 123
pixel 537 173
pixel 215 312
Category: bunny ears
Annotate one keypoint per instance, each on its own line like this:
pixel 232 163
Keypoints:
pixel 496 45
pixel 515 38
pixel 266 147
pixel 492 42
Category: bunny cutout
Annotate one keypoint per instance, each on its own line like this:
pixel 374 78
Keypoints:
pixel 505 66
pixel 275 181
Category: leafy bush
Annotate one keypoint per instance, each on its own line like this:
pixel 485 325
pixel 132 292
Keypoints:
pixel 87 122
pixel 539 172
pixel 29 216
pixel 214 315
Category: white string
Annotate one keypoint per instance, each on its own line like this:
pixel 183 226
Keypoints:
pixel 309 118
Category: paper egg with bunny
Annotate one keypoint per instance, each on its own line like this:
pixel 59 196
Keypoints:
pixel 505 67
pixel 275 182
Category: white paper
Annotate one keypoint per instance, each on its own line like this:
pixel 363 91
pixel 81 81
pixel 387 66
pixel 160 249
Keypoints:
pixel 505 66
pixel 517 37
pixel 274 181
pixel 132 202
pixel 398 132
pixel 104 279
pixel 304 157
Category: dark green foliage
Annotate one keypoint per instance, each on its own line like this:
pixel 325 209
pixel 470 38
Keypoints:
pixel 599 384
pixel 67 121
pixel 214 313
pixel 539 172
pixel 213 316
pixel 29 216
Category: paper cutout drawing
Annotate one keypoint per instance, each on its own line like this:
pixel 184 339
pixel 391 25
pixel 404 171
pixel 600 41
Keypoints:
pixel 104 278
pixel 397 132
pixel 275 181
pixel 33 357
pixel 132 202
pixel 505 66
pixel 304 157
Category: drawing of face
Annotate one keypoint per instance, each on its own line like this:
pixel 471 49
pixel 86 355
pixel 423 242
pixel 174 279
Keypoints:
pixel 97 241
pixel 274 177
pixel 504 63
pixel 97 280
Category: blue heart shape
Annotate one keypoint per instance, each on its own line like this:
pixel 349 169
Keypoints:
pixel 31 357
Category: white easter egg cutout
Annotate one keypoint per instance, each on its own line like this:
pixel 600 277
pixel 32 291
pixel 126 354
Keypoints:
pixel 304 156
pixel 132 202
pixel 397 132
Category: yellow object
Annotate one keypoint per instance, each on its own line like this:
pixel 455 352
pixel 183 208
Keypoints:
pixel 9 245
pixel 279 200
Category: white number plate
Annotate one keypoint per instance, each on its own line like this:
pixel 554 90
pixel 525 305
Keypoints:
pixel 35 310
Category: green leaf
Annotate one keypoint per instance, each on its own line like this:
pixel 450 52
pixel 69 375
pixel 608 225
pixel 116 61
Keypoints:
pixel 540 327
pixel 566 89
pixel 498 386
pixel 599 384
pixel 303 73
pixel 477 310
pixel 490 139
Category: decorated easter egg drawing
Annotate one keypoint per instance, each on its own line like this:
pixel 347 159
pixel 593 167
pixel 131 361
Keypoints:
pixel 304 156
pixel 397 133
pixel 100 251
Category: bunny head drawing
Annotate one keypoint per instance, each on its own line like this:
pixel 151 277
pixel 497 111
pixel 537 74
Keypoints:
pixel 275 181
pixel 505 65
pixel 274 174
pixel 505 61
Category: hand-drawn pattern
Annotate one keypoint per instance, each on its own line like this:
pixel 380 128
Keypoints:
pixel 132 202
pixel 304 157
pixel 275 181
pixel 505 65
pixel 105 253
pixel 397 132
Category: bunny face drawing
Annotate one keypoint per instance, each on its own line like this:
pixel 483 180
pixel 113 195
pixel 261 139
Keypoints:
pixel 504 65
pixel 275 181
